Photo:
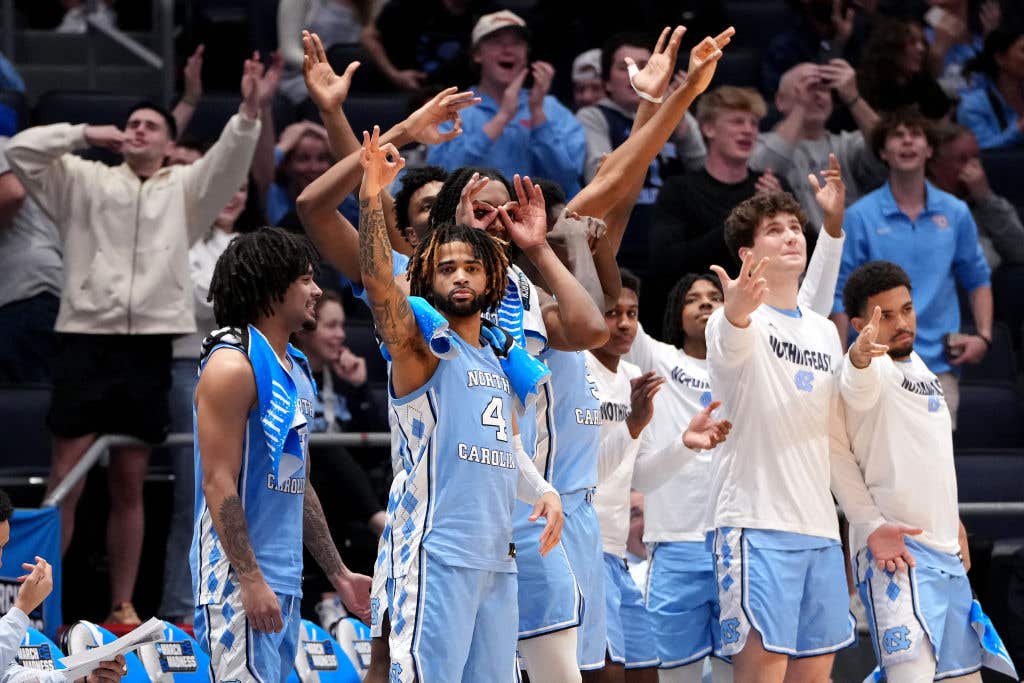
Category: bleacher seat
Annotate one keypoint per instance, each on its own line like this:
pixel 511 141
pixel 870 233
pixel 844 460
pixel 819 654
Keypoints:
pixel 82 106
pixel 741 67
pixel 989 417
pixel 385 111
pixel 368 77
pixel 999 365
pixel 990 476
pixel 23 432
pixel 211 115
pixel 18 103
pixel 758 21
pixel 1002 166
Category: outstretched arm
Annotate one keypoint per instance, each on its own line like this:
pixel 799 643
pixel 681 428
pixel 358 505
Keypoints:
pixel 354 589
pixel 186 106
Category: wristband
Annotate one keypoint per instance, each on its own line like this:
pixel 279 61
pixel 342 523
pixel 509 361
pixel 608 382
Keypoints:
pixel 852 102
pixel 987 340
pixel 633 70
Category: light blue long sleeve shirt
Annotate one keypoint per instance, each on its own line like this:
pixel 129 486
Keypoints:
pixel 938 251
pixel 554 150
pixel 976 112
pixel 13 626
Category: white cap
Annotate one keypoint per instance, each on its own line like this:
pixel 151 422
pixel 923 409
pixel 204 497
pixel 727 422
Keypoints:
pixel 496 21
pixel 587 66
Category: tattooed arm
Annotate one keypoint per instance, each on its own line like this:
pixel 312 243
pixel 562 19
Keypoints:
pixel 353 588
pixel 412 363
pixel 224 397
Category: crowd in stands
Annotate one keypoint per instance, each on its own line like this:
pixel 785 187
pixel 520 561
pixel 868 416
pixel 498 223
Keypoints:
pixel 105 269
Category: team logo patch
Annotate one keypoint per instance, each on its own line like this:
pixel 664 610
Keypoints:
pixel 941 222
pixel 896 639
pixel 705 399
pixel 730 630
pixel 374 611
pixel 934 403
pixel 395 675
pixel 804 380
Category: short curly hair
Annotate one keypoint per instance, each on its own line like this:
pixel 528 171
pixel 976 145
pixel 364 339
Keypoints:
pixel 869 279
pixel 910 117
pixel 748 214
pixel 412 180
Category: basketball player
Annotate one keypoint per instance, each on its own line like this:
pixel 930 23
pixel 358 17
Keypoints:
pixel 783 602
pixel 451 587
pixel 898 489
pixel 254 506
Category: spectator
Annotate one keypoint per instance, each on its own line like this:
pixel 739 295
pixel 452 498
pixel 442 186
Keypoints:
pixel 35 587
pixel 955 168
pixel 192 77
pixel 126 232
pixel 30 282
pixel 514 129
pixel 955 37
pixel 335 21
pixel 414 199
pixel 241 214
pixel 932 236
pixel 894 72
pixel 587 86
pixel 823 31
pixel 800 144
pixel 302 156
pixel 415 42
pixel 995 112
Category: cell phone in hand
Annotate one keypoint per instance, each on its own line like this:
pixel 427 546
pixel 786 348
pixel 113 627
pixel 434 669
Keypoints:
pixel 952 344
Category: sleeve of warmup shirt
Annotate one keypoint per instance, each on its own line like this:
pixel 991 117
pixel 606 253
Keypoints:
pixel 817 292
pixel 861 387
pixel 728 346
pixel 13 626
pixel 531 484
pixel 848 483
pixel 618 444
pixel 656 463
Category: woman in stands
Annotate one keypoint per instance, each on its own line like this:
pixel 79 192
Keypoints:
pixel 995 112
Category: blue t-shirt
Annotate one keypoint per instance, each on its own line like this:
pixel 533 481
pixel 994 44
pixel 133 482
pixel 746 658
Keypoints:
pixel 939 251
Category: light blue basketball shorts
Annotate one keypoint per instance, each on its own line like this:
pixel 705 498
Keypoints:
pixel 565 588
pixel 790 587
pixel 682 598
pixel 238 652
pixel 630 628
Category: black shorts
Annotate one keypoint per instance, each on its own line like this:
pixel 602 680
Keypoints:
pixel 111 384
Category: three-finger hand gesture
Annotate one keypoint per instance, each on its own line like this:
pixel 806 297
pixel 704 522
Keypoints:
pixel 423 125
pixel 744 293
pixel 35 585
pixel 525 219
pixel 380 164
pixel 888 547
pixel 327 89
pixel 704 59
pixel 704 432
pixel 831 196
pixel 471 212
pixel 866 347
pixel 654 78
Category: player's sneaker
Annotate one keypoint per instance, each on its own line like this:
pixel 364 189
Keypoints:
pixel 123 614
pixel 330 611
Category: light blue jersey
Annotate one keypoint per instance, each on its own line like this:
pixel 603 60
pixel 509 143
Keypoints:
pixel 568 434
pixel 273 504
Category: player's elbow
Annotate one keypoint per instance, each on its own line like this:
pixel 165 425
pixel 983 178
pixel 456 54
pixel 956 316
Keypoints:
pixel 589 334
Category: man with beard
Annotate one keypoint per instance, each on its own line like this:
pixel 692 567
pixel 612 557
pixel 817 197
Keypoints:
pixel 899 481
pixel 451 586
pixel 254 507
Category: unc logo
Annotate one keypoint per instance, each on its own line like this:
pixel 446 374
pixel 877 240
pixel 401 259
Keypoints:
pixel 804 380
pixel 395 674
pixel 374 611
pixel 934 404
pixel 705 399
pixel 895 639
pixel 730 630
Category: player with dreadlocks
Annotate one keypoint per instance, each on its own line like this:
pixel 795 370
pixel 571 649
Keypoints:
pixel 450 591
pixel 254 505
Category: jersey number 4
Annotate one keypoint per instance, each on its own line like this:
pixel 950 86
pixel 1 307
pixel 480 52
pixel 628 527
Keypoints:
pixel 493 417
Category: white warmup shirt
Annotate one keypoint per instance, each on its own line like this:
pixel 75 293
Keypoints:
pixel 901 468
pixel 674 479
pixel 777 384
pixel 617 453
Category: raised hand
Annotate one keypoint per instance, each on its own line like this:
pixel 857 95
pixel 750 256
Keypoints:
pixel 423 124
pixel 409 79
pixel 266 89
pixel 107 137
pixel 831 196
pixel 767 183
pixel 35 585
pixel 744 293
pixel 543 74
pixel 653 80
pixel 193 76
pixel 350 367
pixel 549 506
pixel 866 348
pixel 972 175
pixel 704 59
pixel 705 432
pixel 327 89
pixel 525 219
pixel 471 212
pixel 291 135
pixel 842 78
pixel 888 547
pixel 510 98
pixel 252 73
pixel 642 391
pixel 380 164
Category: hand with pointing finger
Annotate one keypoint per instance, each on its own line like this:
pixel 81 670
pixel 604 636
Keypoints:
pixel 744 293
pixel 866 348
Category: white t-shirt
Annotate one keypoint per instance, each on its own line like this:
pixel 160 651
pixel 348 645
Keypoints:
pixel 901 468
pixel 777 382
pixel 673 479
pixel 617 453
